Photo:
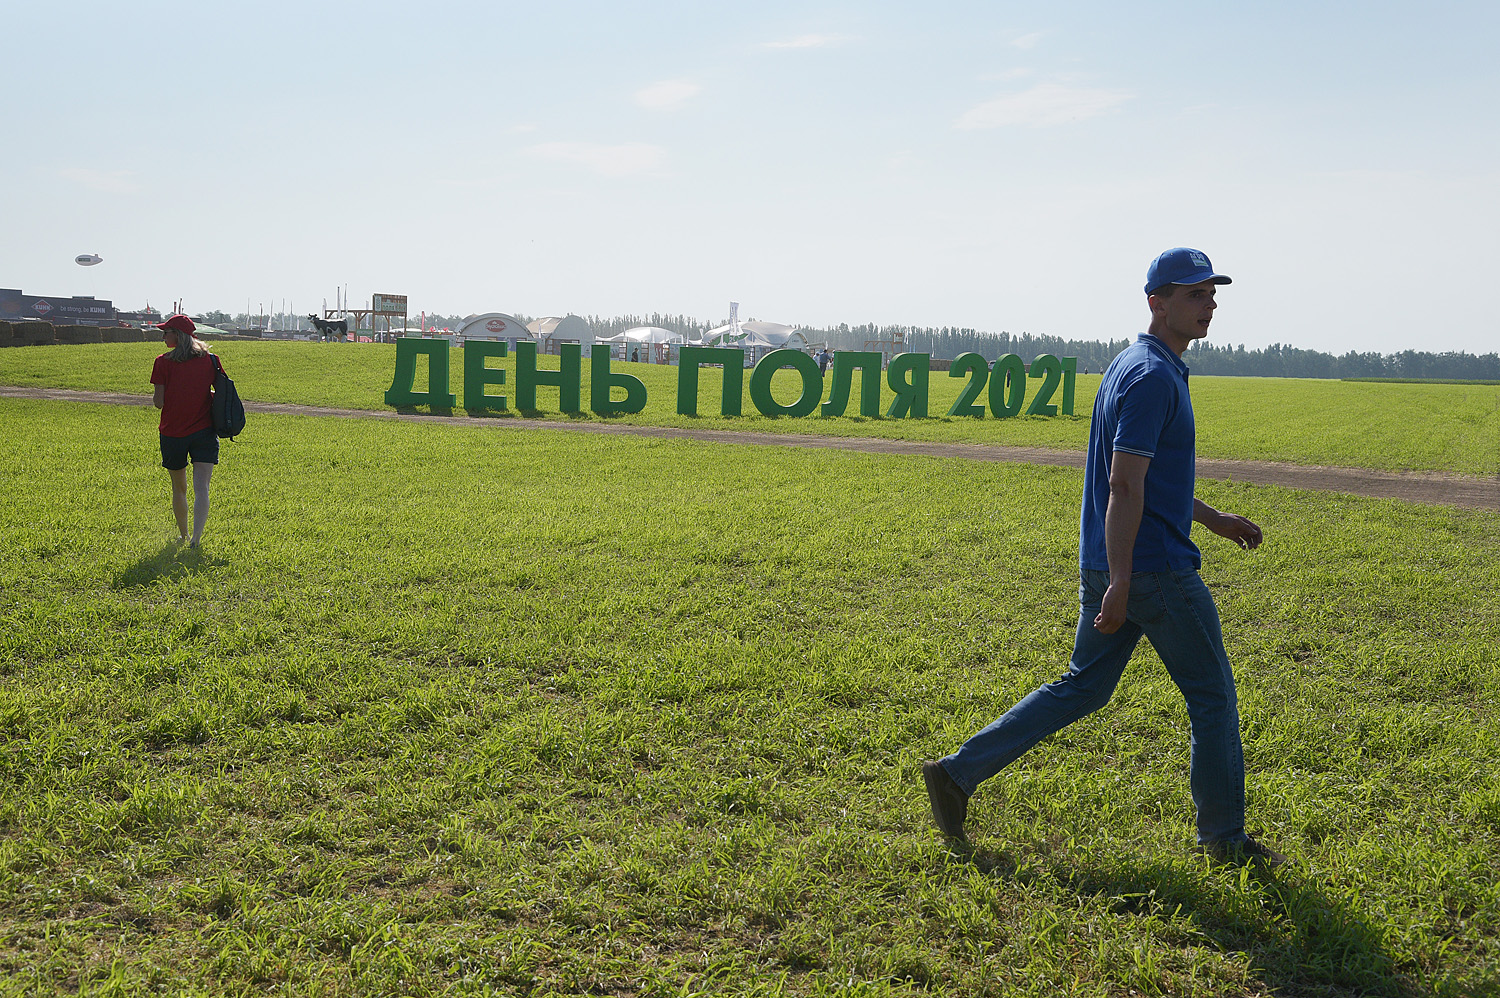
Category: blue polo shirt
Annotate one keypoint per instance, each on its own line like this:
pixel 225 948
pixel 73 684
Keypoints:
pixel 1143 407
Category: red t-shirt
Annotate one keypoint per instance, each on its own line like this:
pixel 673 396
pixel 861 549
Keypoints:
pixel 186 402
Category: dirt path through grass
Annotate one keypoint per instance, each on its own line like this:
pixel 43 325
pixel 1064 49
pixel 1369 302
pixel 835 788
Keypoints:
pixel 1433 488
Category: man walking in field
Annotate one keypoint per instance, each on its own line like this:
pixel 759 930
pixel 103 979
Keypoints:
pixel 1139 576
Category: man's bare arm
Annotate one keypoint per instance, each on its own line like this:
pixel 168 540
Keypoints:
pixel 1237 528
pixel 1122 521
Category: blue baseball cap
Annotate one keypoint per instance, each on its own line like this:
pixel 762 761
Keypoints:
pixel 1181 266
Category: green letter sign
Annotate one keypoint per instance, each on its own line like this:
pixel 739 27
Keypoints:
pixel 568 379
pixel 1009 373
pixel 844 363
pixel 978 370
pixel 760 383
pixel 688 361
pixel 911 396
pixel 408 349
pixel 601 381
pixel 477 376
pixel 908 377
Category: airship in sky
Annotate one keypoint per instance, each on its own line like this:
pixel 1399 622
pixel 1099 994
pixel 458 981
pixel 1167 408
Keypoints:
pixel 88 259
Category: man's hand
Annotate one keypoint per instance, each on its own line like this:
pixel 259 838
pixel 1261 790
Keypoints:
pixel 1237 528
pixel 1112 608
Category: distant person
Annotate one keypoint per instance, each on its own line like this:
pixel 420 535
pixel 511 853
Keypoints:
pixel 822 357
pixel 1139 576
pixel 184 380
pixel 635 355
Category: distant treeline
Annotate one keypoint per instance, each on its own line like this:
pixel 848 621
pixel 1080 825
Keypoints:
pixel 1275 361
pixel 948 342
pixel 1281 361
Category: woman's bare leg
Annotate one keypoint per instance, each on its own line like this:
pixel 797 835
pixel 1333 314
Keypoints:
pixel 179 500
pixel 201 475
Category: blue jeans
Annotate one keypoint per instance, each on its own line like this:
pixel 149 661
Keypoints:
pixel 1176 613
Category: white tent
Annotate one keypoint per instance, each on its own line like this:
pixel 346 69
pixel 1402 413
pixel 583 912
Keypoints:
pixel 652 334
pixel 769 335
pixel 653 344
pixel 553 331
pixel 492 326
pixel 757 338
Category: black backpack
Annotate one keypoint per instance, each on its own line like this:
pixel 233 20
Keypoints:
pixel 229 411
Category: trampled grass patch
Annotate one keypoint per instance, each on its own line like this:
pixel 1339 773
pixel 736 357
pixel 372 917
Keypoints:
pixel 1394 427
pixel 440 710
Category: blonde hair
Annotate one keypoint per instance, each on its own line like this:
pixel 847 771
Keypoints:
pixel 188 346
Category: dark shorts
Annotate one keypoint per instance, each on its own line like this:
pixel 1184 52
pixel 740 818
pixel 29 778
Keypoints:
pixel 202 447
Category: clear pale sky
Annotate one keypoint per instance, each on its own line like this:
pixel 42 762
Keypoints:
pixel 1001 166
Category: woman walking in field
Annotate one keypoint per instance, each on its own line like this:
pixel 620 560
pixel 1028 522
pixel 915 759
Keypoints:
pixel 184 380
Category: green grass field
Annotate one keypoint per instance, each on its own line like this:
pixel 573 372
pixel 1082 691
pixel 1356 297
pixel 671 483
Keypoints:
pixel 441 710
pixel 1394 427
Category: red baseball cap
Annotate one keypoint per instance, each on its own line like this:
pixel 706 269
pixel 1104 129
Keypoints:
pixel 178 323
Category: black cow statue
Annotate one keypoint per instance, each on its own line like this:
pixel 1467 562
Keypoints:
pixel 338 329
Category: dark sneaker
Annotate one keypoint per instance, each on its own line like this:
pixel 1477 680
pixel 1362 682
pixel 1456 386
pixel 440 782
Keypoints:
pixel 950 805
pixel 1244 853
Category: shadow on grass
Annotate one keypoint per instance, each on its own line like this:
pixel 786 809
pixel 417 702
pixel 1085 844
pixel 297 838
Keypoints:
pixel 1298 940
pixel 416 410
pixel 173 561
pixel 576 415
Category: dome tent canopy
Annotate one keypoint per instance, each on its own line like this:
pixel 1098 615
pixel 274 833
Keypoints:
pixel 553 332
pixel 757 334
pixel 559 326
pixel 492 326
pixel 649 334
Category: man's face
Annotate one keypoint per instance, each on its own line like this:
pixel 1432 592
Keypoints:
pixel 1186 314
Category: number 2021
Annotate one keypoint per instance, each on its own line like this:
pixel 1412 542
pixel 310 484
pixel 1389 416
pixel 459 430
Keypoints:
pixel 1007 385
